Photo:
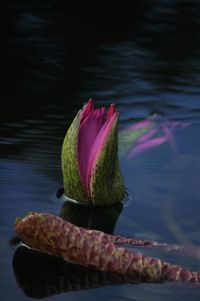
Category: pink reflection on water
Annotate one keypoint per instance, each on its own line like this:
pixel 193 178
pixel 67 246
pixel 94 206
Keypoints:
pixel 151 133
pixel 149 144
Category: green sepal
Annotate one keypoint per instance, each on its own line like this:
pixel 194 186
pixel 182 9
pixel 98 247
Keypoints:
pixel 69 159
pixel 106 183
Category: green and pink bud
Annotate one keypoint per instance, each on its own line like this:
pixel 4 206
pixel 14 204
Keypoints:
pixel 91 172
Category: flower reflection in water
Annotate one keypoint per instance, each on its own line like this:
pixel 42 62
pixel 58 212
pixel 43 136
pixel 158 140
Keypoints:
pixel 148 134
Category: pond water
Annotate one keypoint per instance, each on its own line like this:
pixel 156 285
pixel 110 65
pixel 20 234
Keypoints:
pixel 144 57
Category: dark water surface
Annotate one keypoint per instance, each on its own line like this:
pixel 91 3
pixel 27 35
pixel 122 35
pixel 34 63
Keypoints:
pixel 143 56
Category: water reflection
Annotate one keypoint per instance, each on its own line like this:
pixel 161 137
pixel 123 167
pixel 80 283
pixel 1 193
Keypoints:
pixel 147 134
pixel 41 275
pixel 101 218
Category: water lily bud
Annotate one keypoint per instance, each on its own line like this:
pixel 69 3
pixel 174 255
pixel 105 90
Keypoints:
pixel 90 165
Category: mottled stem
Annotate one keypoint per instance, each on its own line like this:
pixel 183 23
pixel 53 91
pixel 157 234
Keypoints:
pixel 182 249
pixel 56 236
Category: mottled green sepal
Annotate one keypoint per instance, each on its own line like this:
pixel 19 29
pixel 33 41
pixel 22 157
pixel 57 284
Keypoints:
pixel 106 184
pixel 69 158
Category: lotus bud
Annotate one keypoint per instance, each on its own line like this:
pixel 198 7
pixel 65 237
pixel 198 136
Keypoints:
pixel 90 166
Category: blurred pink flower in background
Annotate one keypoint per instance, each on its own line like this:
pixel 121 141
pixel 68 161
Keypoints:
pixel 147 134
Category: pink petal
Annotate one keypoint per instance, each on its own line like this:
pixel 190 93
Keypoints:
pixel 98 145
pixel 147 135
pixel 169 136
pixel 94 129
pixel 111 110
pixel 87 109
pixel 142 124
pixel 88 132
pixel 103 112
pixel 146 146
